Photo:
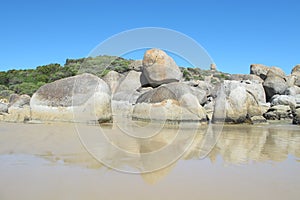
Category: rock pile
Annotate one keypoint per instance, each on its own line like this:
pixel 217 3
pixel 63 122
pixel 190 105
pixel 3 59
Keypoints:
pixel 156 89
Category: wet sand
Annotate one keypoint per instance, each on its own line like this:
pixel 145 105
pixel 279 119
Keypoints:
pixel 48 161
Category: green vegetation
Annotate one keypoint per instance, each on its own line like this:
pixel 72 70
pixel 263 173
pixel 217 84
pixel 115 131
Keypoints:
pixel 222 76
pixel 29 80
pixel 186 75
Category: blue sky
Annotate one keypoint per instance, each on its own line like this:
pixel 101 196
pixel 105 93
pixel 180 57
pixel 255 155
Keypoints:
pixel 234 33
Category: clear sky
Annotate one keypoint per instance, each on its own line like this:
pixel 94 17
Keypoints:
pixel 234 33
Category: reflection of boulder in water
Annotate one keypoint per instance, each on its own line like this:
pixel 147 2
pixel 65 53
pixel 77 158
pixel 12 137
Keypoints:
pixel 156 176
pixel 240 144
pixel 243 144
pixel 282 143
pixel 82 159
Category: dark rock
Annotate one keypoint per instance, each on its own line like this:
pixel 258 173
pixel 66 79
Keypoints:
pixel 296 116
pixel 274 84
pixel 278 112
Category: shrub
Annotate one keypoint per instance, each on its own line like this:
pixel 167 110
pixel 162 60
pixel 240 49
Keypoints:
pixel 4 94
pixel 24 88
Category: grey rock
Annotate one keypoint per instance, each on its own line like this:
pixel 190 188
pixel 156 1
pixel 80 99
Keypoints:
pixel 3 108
pixel 243 77
pixel 259 70
pixel 274 84
pixel 290 80
pixel 169 110
pixel 17 114
pixel 159 68
pixel 293 90
pixel 278 71
pixel 297 98
pixel 263 70
pixel 209 107
pixel 172 97
pixel 113 78
pixel 136 65
pixel 171 91
pixel 80 98
pixel 237 102
pixel 296 116
pixel 296 70
pixel 278 112
pixel 127 89
pixel 283 100
pixel 258 120
pixel 19 101
pixel 297 81
pixel 13 97
pixel 202 85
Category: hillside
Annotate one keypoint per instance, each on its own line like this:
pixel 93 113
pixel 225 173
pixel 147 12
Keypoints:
pixel 29 80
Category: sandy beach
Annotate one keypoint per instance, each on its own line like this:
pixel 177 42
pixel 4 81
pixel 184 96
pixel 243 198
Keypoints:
pixel 48 161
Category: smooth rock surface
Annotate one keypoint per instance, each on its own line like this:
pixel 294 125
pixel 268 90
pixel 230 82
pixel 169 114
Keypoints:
pixel 113 78
pixel 159 68
pixel 235 103
pixel 180 94
pixel 259 70
pixel 127 89
pixel 167 110
pixel 283 100
pixel 294 90
pixel 19 101
pixel 81 98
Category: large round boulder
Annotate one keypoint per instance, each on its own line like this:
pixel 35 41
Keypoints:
pixel 81 98
pixel 159 68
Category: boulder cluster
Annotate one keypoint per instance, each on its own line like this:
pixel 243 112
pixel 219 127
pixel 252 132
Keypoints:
pixel 155 90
